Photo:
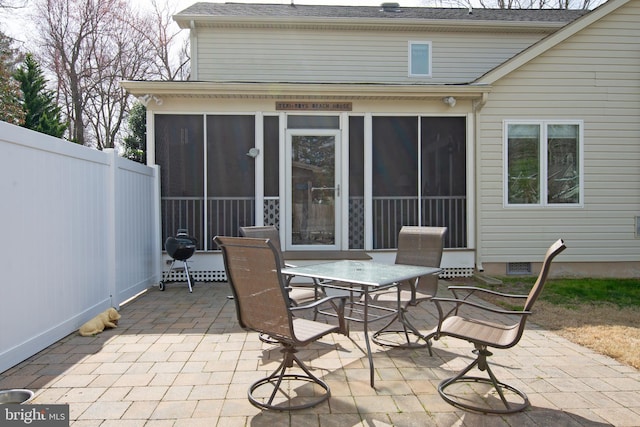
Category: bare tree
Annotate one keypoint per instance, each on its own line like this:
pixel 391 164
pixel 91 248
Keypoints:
pixel 126 56
pixel 169 46
pixel 91 45
pixel 10 95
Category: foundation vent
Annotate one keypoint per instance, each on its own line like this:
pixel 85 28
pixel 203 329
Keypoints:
pixel 517 268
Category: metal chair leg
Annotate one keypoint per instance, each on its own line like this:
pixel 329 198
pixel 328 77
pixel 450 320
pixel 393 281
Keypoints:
pixel 500 387
pixel 280 375
pixel 406 332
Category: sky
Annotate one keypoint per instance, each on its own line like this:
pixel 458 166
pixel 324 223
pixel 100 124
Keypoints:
pixel 17 24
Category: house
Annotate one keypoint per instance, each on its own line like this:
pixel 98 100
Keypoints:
pixel 340 124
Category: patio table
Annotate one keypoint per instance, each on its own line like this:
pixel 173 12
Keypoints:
pixel 362 278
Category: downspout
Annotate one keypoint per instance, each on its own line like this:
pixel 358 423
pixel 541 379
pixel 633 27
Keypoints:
pixel 477 107
pixel 193 41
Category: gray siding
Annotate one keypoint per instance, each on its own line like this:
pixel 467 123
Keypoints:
pixel 592 76
pixel 280 55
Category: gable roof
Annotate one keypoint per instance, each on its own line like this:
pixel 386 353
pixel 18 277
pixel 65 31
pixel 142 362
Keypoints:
pixel 212 13
pixel 550 41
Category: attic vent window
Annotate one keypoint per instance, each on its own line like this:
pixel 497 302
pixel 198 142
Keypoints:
pixel 515 268
pixel 390 7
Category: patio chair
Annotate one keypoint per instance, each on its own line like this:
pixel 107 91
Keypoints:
pixel 263 305
pixel 416 246
pixel 483 334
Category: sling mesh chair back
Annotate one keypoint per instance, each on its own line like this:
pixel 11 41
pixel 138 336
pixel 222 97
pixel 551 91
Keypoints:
pixel 298 294
pixel 262 305
pixel 485 334
pixel 416 246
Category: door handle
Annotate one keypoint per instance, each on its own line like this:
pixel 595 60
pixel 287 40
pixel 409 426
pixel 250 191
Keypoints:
pixel 336 188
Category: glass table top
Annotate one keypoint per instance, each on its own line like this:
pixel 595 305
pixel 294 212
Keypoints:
pixel 366 273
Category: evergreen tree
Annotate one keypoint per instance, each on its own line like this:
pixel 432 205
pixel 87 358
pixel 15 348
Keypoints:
pixel 42 114
pixel 134 142
pixel 10 96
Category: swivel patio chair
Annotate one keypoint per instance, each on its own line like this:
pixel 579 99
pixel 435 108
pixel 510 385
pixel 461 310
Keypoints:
pixel 263 305
pixel 484 334
pixel 416 246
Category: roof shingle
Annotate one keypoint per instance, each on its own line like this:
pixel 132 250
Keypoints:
pixel 270 11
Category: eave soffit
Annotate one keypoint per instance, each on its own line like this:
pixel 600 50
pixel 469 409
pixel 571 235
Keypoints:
pixel 212 90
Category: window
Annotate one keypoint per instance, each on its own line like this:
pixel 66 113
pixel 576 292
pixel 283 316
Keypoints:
pixel 419 59
pixel 543 163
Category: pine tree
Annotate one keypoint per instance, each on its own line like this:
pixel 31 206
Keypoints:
pixel 134 142
pixel 41 112
pixel 10 96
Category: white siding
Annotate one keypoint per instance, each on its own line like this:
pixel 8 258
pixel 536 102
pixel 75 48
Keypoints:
pixel 592 76
pixel 263 55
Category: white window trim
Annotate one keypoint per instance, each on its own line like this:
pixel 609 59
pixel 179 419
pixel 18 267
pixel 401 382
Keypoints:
pixel 410 56
pixel 543 163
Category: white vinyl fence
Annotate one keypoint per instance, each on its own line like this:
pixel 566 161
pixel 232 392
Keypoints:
pixel 79 232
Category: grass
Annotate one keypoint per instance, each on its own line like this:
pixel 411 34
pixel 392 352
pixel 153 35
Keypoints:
pixel 601 314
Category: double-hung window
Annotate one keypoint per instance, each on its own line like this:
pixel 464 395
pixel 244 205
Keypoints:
pixel 419 59
pixel 543 163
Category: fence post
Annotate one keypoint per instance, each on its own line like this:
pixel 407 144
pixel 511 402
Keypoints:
pixel 110 226
pixel 157 218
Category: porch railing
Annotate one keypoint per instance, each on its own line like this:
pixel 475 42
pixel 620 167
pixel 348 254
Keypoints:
pixel 226 215
pixel 390 214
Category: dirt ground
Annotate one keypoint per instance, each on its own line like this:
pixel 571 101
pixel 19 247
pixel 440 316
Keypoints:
pixel 604 328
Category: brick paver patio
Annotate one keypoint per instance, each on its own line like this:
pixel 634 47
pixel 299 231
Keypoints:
pixel 180 359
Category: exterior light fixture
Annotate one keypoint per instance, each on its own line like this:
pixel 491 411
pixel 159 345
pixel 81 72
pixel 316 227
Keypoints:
pixel 145 99
pixel 450 101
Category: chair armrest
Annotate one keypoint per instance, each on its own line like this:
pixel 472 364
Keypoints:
pixel 317 302
pixel 459 302
pixel 435 333
pixel 474 289
pixel 339 308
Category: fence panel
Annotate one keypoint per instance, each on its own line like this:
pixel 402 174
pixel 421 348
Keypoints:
pixel 70 245
pixel 136 228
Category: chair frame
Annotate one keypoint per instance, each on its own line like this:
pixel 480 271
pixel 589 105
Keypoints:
pixel 407 254
pixel 284 334
pixel 502 336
